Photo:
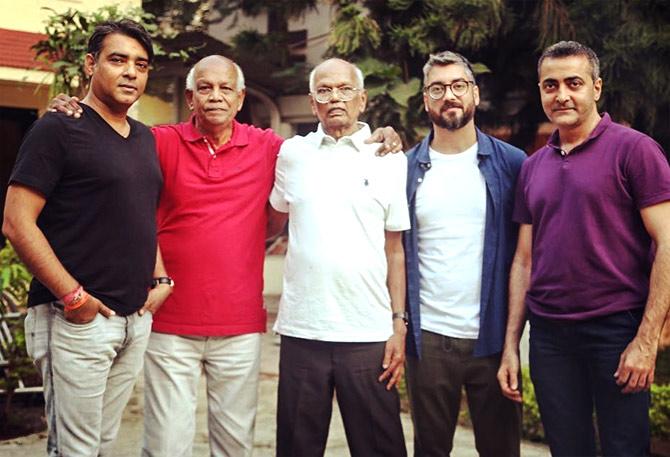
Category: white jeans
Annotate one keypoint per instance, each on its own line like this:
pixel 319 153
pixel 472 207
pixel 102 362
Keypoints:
pixel 88 371
pixel 172 371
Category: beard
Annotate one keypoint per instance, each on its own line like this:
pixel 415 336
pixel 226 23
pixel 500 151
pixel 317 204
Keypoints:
pixel 454 121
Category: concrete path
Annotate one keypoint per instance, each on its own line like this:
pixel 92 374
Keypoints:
pixel 130 435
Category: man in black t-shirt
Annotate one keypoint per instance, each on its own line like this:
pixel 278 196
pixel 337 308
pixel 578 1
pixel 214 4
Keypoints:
pixel 80 212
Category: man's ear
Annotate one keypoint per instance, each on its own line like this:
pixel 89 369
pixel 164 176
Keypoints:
pixel 597 88
pixel 89 65
pixel 243 94
pixel 364 100
pixel 188 93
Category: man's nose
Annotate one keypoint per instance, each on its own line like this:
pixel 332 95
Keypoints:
pixel 216 94
pixel 130 70
pixel 562 94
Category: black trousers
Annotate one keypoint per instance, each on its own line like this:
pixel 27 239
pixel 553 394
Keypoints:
pixel 309 373
pixel 572 365
pixel 435 383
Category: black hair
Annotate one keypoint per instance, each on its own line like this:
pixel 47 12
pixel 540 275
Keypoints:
pixel 126 27
pixel 571 48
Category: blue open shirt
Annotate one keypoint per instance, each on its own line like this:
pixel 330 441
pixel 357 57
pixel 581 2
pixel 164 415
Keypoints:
pixel 499 163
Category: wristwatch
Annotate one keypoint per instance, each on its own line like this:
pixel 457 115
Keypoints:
pixel 162 280
pixel 401 315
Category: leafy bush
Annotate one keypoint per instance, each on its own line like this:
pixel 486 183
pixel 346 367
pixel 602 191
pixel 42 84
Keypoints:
pixel 14 280
pixel 531 425
pixel 659 413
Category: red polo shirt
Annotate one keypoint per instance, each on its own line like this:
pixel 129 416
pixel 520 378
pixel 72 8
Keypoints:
pixel 211 228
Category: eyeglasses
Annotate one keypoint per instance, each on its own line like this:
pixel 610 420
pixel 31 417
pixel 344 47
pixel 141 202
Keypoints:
pixel 437 90
pixel 326 94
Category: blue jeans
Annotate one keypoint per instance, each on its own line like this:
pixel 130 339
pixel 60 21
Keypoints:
pixel 572 365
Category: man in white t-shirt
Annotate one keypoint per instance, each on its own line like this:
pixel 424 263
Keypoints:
pixel 341 315
pixel 460 188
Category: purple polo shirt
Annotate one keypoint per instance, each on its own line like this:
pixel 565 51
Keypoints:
pixel 591 253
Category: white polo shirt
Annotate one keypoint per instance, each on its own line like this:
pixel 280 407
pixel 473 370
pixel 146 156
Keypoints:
pixel 340 198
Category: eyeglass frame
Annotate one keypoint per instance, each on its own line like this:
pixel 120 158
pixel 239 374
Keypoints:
pixel 331 93
pixel 467 82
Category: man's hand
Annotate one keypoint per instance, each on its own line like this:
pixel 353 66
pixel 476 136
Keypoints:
pixel 394 355
pixel 87 312
pixel 65 104
pixel 389 138
pixel 636 366
pixel 508 375
pixel 156 297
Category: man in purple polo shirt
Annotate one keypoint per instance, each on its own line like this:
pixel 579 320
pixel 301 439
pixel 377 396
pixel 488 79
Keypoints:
pixel 592 266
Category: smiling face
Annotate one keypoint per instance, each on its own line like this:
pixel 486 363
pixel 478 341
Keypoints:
pixel 450 112
pixel 568 91
pixel 338 118
pixel 215 100
pixel 119 72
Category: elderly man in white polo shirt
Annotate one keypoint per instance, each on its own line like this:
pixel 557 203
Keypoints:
pixel 342 313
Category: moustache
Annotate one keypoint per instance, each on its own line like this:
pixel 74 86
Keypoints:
pixel 448 105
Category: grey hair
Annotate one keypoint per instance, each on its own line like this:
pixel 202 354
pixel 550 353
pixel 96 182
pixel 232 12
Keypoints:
pixel 360 79
pixel 571 48
pixel 239 86
pixel 445 58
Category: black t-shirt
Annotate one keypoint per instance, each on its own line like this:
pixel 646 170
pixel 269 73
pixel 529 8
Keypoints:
pixel 101 194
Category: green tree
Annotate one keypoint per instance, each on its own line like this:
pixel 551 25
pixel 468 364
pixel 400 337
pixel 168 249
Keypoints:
pixel 65 46
pixel 391 40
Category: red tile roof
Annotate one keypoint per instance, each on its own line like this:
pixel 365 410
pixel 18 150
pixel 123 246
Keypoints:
pixel 15 49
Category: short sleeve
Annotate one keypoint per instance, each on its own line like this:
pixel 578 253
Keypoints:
pixel 521 212
pixel 397 213
pixel 278 194
pixel 41 159
pixel 647 173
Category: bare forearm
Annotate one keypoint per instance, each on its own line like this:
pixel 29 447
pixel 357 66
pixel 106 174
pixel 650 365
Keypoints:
pixel 35 251
pixel 395 280
pixel 159 268
pixel 276 222
pixel 518 286
pixel 658 301
pixel 519 282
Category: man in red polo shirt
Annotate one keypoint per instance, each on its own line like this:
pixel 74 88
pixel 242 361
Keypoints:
pixel 218 174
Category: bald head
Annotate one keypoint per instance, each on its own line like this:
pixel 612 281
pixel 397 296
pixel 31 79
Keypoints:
pixel 214 61
pixel 335 64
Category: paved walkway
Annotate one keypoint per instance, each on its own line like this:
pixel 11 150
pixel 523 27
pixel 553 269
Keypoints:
pixel 130 435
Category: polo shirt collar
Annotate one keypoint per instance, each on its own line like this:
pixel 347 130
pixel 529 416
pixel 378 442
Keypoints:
pixel 356 139
pixel 240 137
pixel 555 142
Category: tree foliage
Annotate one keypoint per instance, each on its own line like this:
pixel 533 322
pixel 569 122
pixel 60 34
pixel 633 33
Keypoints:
pixel 65 46
pixel 392 39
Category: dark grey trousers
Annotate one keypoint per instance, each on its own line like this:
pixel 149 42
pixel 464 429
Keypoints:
pixel 309 372
pixel 435 383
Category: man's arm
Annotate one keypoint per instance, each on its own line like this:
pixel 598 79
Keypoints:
pixel 161 292
pixel 387 136
pixel 638 361
pixel 22 208
pixel 276 222
pixel 394 354
pixel 519 282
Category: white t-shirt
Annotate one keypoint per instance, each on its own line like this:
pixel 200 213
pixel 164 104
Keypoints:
pixel 340 198
pixel 451 216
